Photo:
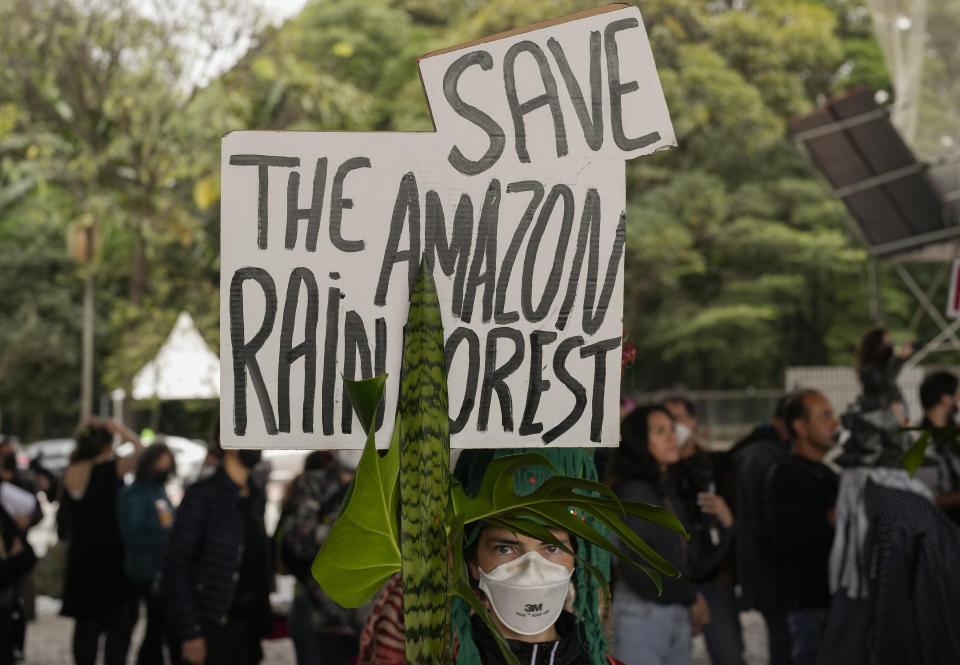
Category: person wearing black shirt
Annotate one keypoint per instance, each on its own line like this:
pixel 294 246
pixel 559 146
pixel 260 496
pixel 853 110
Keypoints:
pixel 216 576
pixel 801 496
pixel 757 567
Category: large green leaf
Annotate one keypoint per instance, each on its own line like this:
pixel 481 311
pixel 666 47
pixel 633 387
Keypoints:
pixel 362 549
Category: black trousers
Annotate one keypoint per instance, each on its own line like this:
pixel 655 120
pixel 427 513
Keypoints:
pixel 117 626
pixel 6 635
pixel 236 643
pixel 151 649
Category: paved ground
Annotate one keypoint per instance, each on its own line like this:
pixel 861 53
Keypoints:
pixel 48 640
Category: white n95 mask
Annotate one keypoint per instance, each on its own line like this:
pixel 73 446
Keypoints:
pixel 683 433
pixel 527 594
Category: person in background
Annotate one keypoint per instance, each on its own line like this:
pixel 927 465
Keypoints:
pixel 146 518
pixel 16 561
pixel 757 566
pixel 684 414
pixel 801 498
pixel 652 628
pixel 216 576
pixel 95 592
pixel 878 366
pixel 322 631
pixel 939 399
pixel 699 472
pixel 21 602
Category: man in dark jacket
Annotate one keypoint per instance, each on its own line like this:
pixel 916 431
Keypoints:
pixel 801 498
pixel 216 576
pixel 757 567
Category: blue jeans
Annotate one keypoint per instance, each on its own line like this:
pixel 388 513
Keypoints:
pixel 647 633
pixel 806 628
pixel 723 634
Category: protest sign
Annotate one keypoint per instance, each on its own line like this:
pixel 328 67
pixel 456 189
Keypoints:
pixel 516 202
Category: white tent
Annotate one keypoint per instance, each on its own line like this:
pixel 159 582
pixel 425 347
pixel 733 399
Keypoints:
pixel 184 367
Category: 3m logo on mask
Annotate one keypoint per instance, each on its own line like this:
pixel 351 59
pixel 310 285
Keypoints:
pixel 533 607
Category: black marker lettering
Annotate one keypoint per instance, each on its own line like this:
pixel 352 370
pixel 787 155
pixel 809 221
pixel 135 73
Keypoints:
pixel 599 352
pixel 531 313
pixel 589 228
pixel 330 343
pixel 592 320
pixel 537 385
pixel 592 123
pixel 407 206
pixel 263 162
pixel 536 188
pixel 354 342
pixel 311 214
pixel 618 89
pixel 456 254
pixel 473 372
pixel 484 257
pixel 307 349
pixel 494 131
pixel 380 362
pixel 574 386
pixel 245 353
pixel 494 378
pixel 338 204
pixel 548 98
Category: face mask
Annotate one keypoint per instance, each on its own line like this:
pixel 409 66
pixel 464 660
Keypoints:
pixel 683 433
pixel 249 458
pixel 527 594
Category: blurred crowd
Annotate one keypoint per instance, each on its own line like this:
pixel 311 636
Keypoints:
pixel 810 520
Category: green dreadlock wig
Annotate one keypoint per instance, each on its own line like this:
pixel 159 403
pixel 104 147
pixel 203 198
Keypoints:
pixel 576 462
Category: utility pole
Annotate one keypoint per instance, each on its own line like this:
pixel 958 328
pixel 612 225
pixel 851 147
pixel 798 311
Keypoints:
pixel 82 243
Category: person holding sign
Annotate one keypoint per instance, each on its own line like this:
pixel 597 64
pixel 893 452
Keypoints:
pixel 545 604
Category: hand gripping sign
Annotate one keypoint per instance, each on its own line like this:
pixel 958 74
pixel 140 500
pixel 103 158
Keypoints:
pixel 516 202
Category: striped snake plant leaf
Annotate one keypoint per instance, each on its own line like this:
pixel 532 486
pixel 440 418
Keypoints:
pixel 362 550
pixel 424 479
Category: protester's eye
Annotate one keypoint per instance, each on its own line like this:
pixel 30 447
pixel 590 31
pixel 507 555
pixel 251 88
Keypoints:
pixel 551 549
pixel 503 549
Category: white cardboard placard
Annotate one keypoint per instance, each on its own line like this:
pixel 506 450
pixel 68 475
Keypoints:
pixel 322 233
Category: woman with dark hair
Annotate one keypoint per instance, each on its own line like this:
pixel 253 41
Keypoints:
pixel 95 591
pixel 652 628
pixel 146 518
pixel 877 367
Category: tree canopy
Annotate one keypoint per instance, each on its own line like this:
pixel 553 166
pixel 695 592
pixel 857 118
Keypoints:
pixel 738 261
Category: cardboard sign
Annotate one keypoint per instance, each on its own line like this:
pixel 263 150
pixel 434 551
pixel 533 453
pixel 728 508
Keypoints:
pixel 516 202
pixel 953 300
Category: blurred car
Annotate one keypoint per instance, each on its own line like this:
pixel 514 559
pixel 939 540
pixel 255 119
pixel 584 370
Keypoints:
pixel 52 454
